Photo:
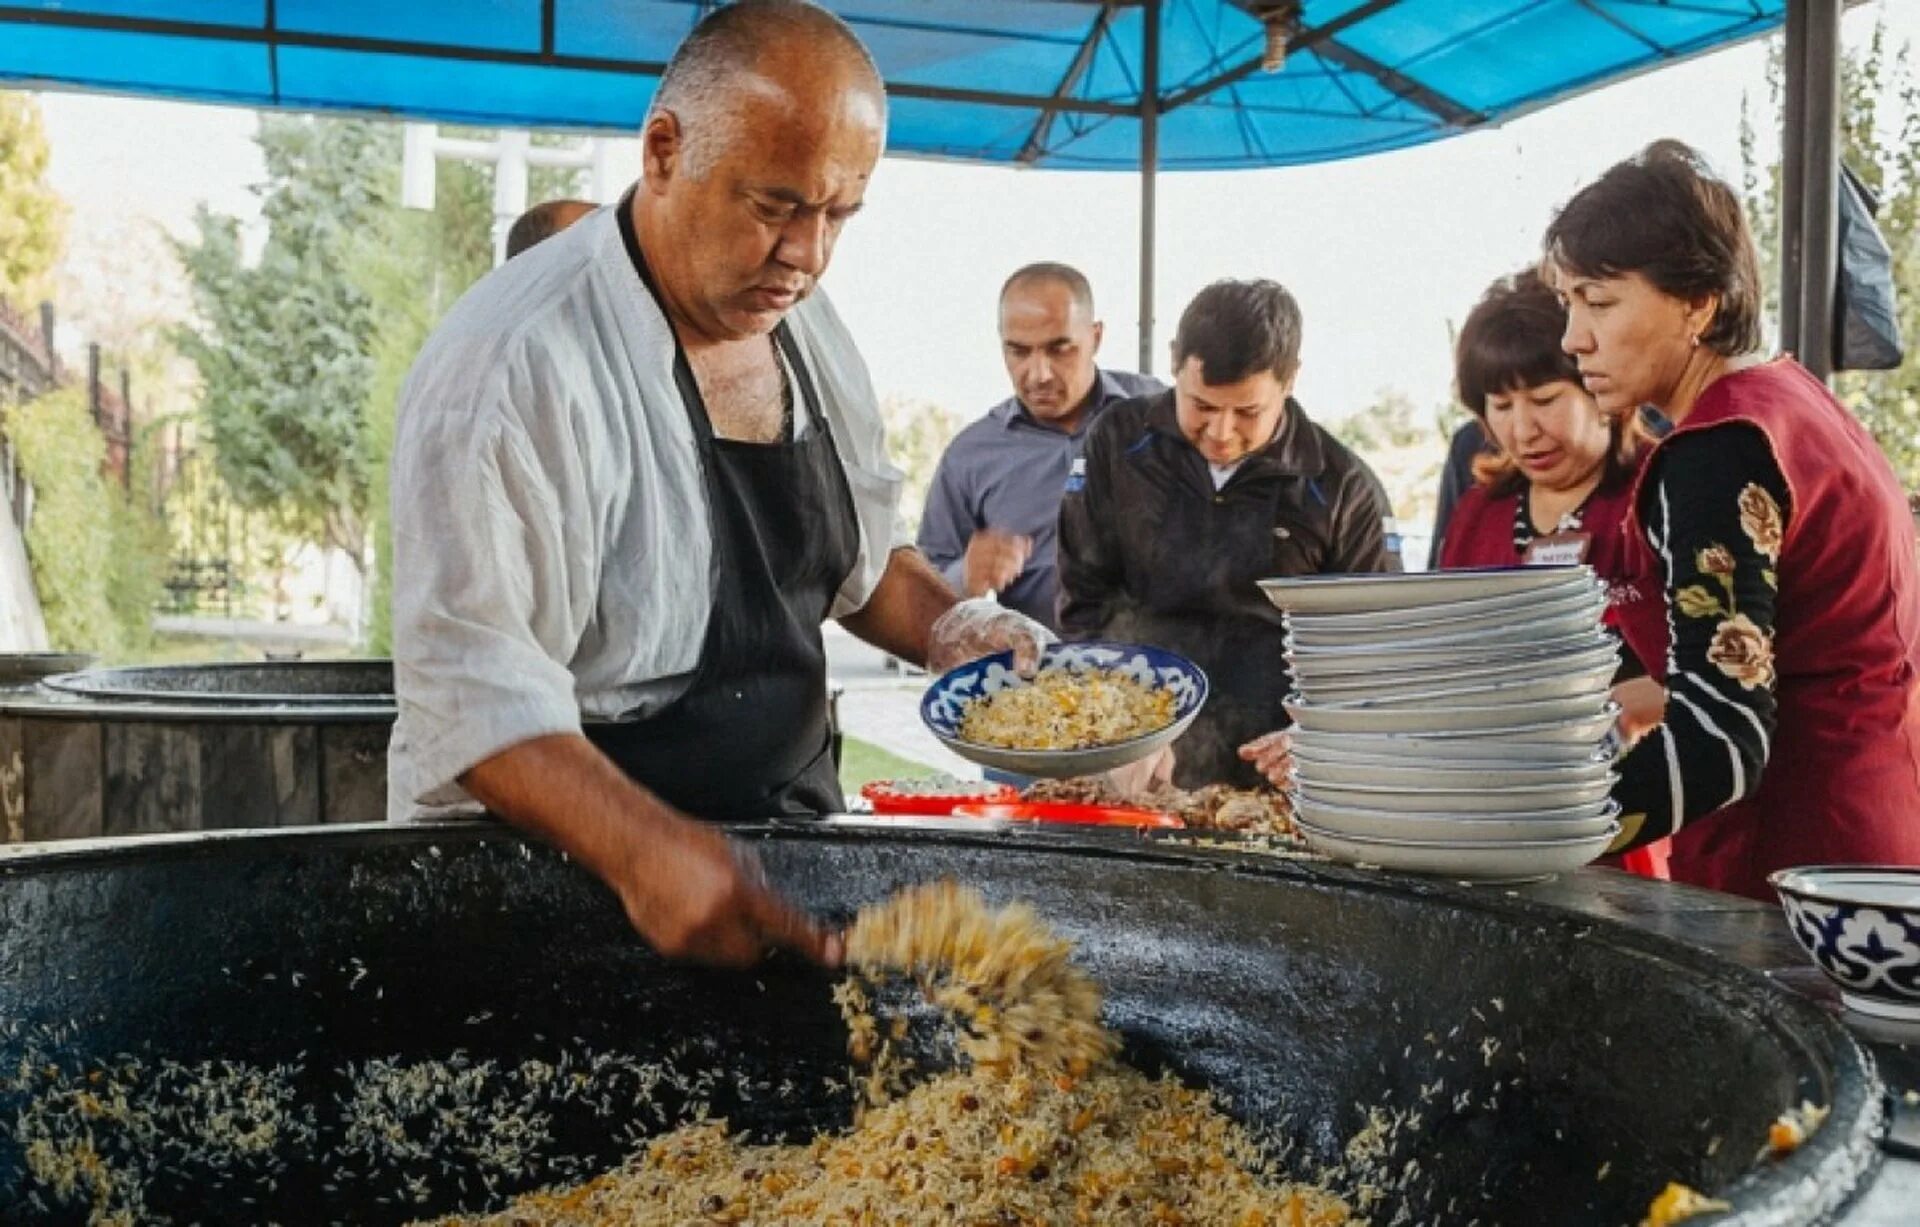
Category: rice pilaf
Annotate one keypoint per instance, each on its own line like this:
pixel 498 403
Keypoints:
pixel 1067 710
pixel 1044 1127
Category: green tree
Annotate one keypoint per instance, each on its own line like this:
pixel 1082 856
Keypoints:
pixel 32 217
pixel 284 346
pixel 441 253
pixel 917 436
pixel 96 552
pixel 1880 140
pixel 1392 420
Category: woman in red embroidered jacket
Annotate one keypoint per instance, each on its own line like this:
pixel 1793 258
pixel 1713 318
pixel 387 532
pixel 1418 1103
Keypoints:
pixel 1560 473
pixel 1782 722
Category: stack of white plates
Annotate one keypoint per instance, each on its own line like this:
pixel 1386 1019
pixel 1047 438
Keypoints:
pixel 1454 722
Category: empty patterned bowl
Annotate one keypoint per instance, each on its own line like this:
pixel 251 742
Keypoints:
pixel 945 703
pixel 1861 924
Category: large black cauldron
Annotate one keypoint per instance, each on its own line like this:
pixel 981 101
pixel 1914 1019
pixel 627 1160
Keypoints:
pixel 132 751
pixel 358 1025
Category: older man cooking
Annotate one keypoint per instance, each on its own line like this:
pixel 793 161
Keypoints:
pixel 636 467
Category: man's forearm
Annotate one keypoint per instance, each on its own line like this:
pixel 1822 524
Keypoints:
pixel 565 791
pixel 901 611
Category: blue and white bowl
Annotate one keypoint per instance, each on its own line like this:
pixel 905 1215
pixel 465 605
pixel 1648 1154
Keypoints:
pixel 945 703
pixel 1861 924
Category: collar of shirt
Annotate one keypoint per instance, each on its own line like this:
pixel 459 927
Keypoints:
pixel 1013 415
pixel 1294 451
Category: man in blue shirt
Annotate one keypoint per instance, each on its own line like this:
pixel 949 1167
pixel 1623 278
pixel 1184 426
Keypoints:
pixel 991 514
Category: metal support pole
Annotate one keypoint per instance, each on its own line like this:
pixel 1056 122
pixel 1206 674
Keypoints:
pixel 1793 172
pixel 1149 169
pixel 1819 267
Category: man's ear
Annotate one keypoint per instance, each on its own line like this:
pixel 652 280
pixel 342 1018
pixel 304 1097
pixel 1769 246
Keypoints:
pixel 661 144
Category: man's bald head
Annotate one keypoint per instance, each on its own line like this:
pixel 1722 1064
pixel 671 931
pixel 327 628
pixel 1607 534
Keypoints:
pixel 543 221
pixel 789 45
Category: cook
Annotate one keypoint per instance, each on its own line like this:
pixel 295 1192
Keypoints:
pixel 635 469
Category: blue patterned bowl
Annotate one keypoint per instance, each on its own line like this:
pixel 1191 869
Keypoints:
pixel 1861 924
pixel 946 701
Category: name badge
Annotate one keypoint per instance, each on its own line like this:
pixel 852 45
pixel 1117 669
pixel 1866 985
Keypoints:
pixel 1558 550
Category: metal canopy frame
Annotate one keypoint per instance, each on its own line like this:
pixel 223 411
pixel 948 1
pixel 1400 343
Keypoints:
pixel 1812 99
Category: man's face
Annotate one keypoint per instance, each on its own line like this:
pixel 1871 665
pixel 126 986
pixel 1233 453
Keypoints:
pixel 1228 422
pixel 1048 341
pixel 751 222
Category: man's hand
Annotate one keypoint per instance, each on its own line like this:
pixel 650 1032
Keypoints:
pixel 994 560
pixel 1272 756
pixel 690 891
pixel 981 627
pixel 1137 780
pixel 700 896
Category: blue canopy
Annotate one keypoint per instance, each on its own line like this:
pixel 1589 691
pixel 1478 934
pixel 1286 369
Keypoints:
pixel 1055 83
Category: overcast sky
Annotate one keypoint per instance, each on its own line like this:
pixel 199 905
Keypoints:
pixel 1382 252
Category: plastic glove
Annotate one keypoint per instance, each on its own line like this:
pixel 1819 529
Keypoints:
pixel 1272 756
pixel 1136 780
pixel 981 627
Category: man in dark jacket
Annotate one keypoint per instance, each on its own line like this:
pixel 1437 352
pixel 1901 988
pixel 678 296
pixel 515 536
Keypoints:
pixel 1185 499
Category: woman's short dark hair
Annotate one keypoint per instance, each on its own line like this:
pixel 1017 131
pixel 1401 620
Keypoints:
pixel 1664 215
pixel 1511 342
pixel 1238 329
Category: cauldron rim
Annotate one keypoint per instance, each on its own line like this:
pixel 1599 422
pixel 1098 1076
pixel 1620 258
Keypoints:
pixel 1831 1168
pixel 114 694
pixel 120 682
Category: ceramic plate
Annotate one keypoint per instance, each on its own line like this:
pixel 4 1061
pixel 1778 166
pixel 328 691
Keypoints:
pixel 1508 604
pixel 1381 717
pixel 1309 594
pixel 1535 799
pixel 1321 661
pixel 1482 861
pixel 945 703
pixel 1442 620
pixel 1503 631
pixel 1574 675
pixel 1461 777
pixel 1454 828
pixel 1367 749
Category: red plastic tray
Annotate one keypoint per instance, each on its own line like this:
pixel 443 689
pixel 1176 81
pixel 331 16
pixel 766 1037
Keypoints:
pixel 885 800
pixel 1068 812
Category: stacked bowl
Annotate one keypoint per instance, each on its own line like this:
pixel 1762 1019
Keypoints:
pixel 1454 723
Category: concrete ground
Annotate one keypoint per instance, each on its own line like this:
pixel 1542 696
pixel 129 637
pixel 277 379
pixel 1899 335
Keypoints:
pixel 882 707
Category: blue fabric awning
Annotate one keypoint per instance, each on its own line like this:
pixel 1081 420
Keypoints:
pixel 1054 83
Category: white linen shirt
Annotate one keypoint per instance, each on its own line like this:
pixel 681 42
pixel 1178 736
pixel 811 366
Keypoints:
pixel 551 533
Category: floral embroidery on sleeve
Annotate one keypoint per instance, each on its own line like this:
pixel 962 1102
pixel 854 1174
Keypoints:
pixel 1760 517
pixel 1715 507
pixel 1740 649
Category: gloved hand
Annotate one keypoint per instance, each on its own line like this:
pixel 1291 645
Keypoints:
pixel 1272 756
pixel 1135 780
pixel 981 627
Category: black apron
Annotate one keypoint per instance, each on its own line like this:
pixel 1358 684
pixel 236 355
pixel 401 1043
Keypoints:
pixel 749 738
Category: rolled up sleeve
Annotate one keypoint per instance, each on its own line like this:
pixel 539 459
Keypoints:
pixel 482 603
